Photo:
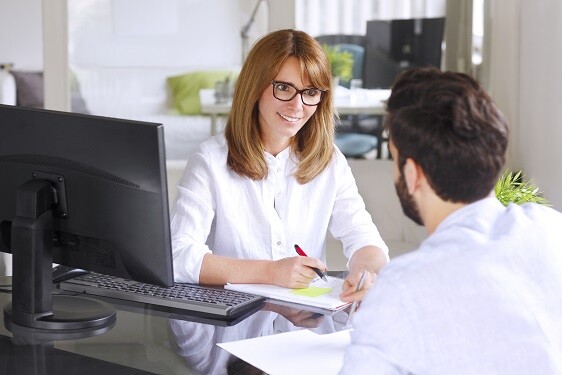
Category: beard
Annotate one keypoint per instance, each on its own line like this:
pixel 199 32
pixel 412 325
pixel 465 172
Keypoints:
pixel 409 206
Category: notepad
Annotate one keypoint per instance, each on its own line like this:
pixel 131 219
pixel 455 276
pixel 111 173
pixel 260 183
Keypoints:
pixel 320 294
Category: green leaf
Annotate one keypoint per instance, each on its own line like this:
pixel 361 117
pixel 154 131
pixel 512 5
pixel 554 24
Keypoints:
pixel 341 62
pixel 512 188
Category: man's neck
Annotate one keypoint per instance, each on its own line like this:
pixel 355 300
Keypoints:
pixel 438 212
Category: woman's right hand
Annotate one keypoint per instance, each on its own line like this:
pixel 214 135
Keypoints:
pixel 294 272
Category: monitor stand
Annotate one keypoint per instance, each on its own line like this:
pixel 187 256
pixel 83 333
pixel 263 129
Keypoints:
pixel 33 303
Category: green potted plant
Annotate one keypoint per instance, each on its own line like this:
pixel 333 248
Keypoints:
pixel 341 63
pixel 512 188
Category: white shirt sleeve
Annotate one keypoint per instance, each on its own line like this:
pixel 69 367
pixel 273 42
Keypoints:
pixel 351 223
pixel 192 216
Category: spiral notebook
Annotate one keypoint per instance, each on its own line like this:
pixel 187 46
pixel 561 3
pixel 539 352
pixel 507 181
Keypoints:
pixel 319 293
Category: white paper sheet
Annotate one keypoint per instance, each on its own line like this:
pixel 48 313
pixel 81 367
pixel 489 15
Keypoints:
pixel 330 301
pixel 296 352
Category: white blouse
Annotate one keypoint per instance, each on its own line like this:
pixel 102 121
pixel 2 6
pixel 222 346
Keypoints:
pixel 219 211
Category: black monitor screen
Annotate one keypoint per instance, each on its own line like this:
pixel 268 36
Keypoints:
pixel 108 181
pixel 395 45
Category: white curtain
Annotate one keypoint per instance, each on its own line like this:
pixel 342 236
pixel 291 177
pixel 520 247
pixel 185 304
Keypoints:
pixel 324 17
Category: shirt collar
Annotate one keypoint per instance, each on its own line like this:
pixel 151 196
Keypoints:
pixel 489 205
pixel 282 156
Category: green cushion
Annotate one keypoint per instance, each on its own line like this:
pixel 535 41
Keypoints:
pixel 185 89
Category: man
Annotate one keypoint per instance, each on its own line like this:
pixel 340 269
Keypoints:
pixel 483 293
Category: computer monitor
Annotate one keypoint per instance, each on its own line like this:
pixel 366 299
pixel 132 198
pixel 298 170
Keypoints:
pixel 395 45
pixel 83 191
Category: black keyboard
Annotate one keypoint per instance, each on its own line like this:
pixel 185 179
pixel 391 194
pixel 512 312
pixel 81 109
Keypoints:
pixel 189 297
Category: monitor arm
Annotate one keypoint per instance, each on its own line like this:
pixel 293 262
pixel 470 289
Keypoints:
pixel 31 242
pixel 33 305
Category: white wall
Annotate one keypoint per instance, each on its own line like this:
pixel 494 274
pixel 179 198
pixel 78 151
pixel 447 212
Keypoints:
pixel 21 34
pixel 174 33
pixel 200 34
pixel 526 82
pixel 208 34
pixel 281 14
pixel 540 116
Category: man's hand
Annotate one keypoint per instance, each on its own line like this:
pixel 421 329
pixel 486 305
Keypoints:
pixel 350 286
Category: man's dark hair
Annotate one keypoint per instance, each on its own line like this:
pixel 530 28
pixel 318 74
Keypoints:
pixel 450 126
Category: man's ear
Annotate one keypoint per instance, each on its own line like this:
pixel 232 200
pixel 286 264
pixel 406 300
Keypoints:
pixel 411 175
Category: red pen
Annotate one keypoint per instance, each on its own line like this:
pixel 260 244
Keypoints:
pixel 303 254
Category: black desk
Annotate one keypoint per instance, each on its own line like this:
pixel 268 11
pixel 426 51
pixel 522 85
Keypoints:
pixel 145 340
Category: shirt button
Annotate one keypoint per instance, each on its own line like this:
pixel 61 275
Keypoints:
pixel 278 170
pixel 279 194
pixel 278 243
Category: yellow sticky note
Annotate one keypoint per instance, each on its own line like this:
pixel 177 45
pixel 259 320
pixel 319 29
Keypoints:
pixel 311 291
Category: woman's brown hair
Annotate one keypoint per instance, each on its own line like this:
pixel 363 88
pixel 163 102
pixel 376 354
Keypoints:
pixel 314 143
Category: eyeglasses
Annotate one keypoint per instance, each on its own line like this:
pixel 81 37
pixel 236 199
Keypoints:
pixel 285 91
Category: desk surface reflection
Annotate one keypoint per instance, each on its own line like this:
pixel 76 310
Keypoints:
pixel 149 340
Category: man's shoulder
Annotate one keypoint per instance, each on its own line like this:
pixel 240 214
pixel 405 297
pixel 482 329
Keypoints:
pixel 536 210
pixel 408 263
pixel 533 217
pixel 454 243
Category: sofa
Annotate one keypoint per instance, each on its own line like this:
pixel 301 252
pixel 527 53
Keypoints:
pixel 7 86
pixel 166 95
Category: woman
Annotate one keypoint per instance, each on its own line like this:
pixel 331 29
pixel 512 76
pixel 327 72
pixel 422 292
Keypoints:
pixel 273 180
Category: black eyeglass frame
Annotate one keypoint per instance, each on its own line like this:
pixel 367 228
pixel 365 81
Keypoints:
pixel 297 91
